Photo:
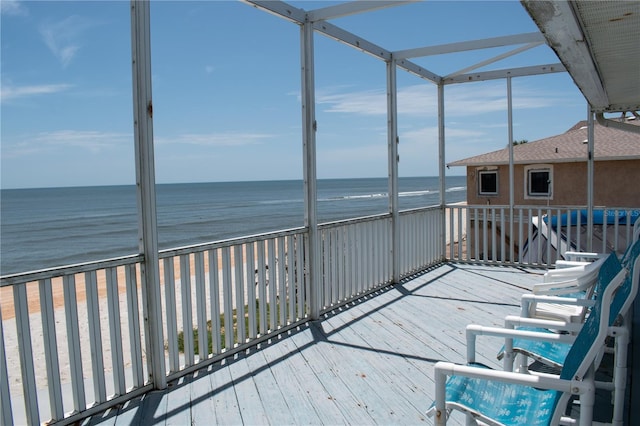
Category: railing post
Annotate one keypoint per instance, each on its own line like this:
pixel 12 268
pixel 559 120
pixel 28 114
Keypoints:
pixel 392 146
pixel 590 167
pixel 441 171
pixel 309 168
pixel 145 183
pixel 511 172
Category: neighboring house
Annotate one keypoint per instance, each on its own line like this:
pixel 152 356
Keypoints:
pixel 552 172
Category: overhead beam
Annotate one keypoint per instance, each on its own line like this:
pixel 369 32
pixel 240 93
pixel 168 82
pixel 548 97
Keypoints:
pixel 350 39
pixel 469 45
pixel 352 8
pixel 496 59
pixel 511 72
pixel 281 9
pixel 417 70
pixel 563 32
pixel 401 57
pixel 299 16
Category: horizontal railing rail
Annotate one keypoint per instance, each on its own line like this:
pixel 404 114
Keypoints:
pixel 492 233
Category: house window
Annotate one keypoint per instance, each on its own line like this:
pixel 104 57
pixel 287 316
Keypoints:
pixel 539 181
pixel 488 182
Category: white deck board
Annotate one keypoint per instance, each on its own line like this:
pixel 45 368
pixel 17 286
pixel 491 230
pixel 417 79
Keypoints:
pixel 370 362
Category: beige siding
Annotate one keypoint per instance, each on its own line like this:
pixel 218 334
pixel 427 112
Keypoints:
pixel 616 184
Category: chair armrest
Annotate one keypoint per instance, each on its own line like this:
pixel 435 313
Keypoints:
pixel 565 264
pixel 582 256
pixel 576 268
pixel 474 330
pixel 574 272
pixel 561 287
pixel 527 300
pixel 541 298
pixel 444 369
pixel 450 369
pixel 512 321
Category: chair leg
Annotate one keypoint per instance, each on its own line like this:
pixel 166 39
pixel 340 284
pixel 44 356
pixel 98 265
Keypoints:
pixel 440 405
pixel 522 363
pixel 509 355
pixel 587 401
pixel 620 376
pixel 508 360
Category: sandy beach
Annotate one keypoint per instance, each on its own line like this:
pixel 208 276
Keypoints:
pixel 33 297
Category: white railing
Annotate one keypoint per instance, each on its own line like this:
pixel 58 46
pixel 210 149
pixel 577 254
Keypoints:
pixel 420 239
pixel 355 257
pixel 487 233
pixel 73 339
pixel 230 293
pixel 62 325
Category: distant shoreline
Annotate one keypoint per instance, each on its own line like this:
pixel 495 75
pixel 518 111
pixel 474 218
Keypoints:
pixel 160 184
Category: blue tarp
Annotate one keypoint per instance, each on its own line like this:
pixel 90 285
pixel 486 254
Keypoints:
pixel 598 217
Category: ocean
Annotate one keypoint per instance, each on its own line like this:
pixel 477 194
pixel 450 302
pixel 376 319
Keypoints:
pixel 48 227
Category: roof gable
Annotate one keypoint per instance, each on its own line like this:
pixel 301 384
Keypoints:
pixel 609 144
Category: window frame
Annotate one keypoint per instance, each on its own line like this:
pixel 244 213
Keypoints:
pixel 488 172
pixel 528 193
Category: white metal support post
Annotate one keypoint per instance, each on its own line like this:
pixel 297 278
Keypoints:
pixel 392 146
pixel 590 172
pixel 441 171
pixel 309 168
pixel 145 182
pixel 511 175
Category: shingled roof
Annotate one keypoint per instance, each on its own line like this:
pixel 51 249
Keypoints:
pixel 610 144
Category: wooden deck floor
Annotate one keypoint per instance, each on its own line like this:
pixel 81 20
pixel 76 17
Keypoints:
pixel 367 363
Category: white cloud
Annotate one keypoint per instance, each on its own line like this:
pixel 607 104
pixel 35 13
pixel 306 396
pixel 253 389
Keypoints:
pixel 13 8
pixel 431 134
pixel 216 139
pixel 63 37
pixel 90 140
pixel 421 100
pixel 9 92
pixel 412 100
pixel 369 102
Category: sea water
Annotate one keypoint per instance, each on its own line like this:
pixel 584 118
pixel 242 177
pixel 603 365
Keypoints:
pixel 48 227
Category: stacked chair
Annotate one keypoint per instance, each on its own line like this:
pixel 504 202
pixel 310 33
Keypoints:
pixel 576 282
pixel 567 324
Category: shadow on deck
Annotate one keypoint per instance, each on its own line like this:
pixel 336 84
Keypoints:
pixel 368 362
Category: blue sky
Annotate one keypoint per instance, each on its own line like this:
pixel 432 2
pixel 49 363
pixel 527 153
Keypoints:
pixel 226 90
